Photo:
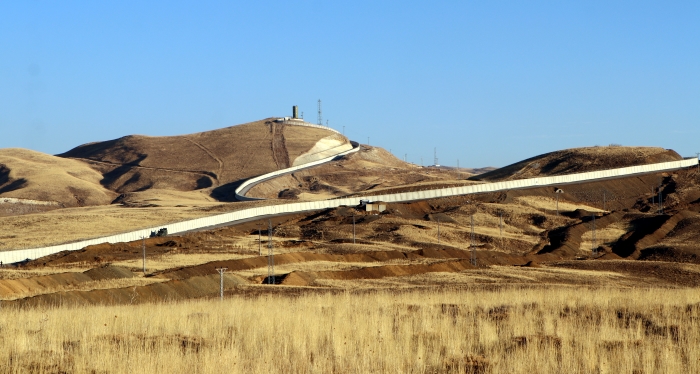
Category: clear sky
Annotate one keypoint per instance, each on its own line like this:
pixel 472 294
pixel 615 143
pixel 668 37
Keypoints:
pixel 486 82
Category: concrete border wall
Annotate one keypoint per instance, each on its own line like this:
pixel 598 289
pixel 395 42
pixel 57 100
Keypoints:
pixel 307 124
pixel 250 183
pixel 260 212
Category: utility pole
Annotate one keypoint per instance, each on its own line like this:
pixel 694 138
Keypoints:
pixel 270 255
pixel 604 210
pixel 353 226
pixel 143 247
pixel 471 243
pixel 661 201
pixel 221 282
pixel 500 225
pixel 594 247
pixel 259 241
pixel 405 157
pixel 438 220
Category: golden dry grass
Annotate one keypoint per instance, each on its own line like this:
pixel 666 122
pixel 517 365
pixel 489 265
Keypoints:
pixel 51 178
pixel 70 224
pixel 514 330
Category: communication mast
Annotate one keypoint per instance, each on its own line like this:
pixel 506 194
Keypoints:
pixel 435 158
pixel 320 118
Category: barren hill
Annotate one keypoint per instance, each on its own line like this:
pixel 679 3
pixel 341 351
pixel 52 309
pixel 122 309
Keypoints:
pixel 579 160
pixel 31 175
pixel 217 159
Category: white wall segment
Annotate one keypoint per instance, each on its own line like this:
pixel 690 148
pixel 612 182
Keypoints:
pixel 298 207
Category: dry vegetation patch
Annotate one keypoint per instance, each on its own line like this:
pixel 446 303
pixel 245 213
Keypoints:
pixel 514 330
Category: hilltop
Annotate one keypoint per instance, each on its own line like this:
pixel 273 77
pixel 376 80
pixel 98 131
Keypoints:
pixel 216 160
pixel 35 176
pixel 200 167
pixel 579 160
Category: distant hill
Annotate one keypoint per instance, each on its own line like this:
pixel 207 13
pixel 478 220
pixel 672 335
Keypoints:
pixel 213 162
pixel 579 160
pixel 31 175
pixel 218 160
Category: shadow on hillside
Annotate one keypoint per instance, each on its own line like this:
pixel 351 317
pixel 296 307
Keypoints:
pixel 227 192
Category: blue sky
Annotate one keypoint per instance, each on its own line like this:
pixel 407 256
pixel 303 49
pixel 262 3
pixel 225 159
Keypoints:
pixel 488 83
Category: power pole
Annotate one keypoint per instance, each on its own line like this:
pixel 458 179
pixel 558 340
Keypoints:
pixel 221 282
pixel 320 119
pixel 143 247
pixel 500 225
pixel 594 247
pixel 438 219
pixel 604 210
pixel 353 227
pixel 259 241
pixel 661 201
pixel 270 255
pixel 471 243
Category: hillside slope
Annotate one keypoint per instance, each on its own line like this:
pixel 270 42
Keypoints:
pixel 216 160
pixel 579 160
pixel 26 174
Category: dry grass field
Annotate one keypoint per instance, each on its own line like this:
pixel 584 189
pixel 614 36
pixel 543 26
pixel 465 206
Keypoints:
pixel 553 329
pixel 70 224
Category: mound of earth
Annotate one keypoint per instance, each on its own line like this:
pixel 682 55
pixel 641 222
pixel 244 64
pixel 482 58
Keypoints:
pixel 35 176
pixel 215 161
pixel 579 160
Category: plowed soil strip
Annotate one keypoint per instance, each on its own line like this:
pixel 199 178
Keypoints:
pixel 483 258
pixel 53 282
pixel 195 287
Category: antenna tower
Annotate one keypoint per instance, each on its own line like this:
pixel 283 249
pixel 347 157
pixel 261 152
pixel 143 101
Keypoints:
pixel 320 118
pixel 270 256
pixel 435 159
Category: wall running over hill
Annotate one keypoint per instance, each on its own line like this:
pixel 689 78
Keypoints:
pixel 263 212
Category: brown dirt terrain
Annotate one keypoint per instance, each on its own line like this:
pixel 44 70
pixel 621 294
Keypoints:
pixel 31 175
pixel 214 160
pixel 517 237
pixel 579 160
